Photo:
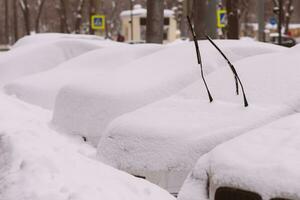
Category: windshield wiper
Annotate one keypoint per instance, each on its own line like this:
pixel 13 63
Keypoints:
pixel 199 57
pixel 236 76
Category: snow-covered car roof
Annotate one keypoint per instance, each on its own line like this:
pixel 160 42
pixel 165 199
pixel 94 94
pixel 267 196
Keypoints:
pixel 264 161
pixel 43 38
pixel 173 133
pixel 34 58
pixel 37 163
pixel 87 108
pixel 41 88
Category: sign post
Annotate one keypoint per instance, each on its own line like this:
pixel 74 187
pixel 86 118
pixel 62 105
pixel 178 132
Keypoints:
pixel 221 18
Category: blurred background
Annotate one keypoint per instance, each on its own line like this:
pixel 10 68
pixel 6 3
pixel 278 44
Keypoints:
pixel 276 21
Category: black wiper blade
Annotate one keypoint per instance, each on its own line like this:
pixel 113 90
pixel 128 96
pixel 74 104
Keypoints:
pixel 236 76
pixel 199 57
pixel 229 63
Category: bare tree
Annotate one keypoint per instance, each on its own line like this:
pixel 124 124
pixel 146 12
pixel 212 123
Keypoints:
pixel 199 15
pixel 233 19
pixel 6 28
pixel 15 20
pixel 289 8
pixel 92 11
pixel 39 13
pixel 155 21
pixel 62 12
pixel 78 15
pixel 26 14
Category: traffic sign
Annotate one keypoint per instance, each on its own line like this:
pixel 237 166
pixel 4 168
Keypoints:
pixel 98 22
pixel 273 21
pixel 221 18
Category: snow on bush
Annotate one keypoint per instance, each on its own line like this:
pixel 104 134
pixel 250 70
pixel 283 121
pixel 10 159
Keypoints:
pixel 170 135
pixel 37 163
pixel 41 88
pixel 34 58
pixel 264 161
pixel 87 108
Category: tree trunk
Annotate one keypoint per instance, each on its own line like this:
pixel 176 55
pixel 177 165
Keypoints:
pixel 25 11
pixel 38 17
pixel 288 14
pixel 155 21
pixel 6 28
pixel 62 12
pixel 199 15
pixel 233 19
pixel 78 16
pixel 15 20
pixel 92 11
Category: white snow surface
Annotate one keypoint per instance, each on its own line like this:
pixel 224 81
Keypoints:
pixel 34 58
pixel 173 133
pixel 42 88
pixel 264 161
pixel 43 38
pixel 139 11
pixel 87 108
pixel 37 163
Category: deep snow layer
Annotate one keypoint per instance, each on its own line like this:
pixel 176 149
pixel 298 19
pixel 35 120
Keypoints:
pixel 35 58
pixel 265 160
pixel 87 108
pixel 37 163
pixel 43 38
pixel 42 88
pixel 173 133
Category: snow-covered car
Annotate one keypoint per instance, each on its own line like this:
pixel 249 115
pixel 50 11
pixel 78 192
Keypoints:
pixel 34 58
pixel 43 38
pixel 37 163
pixel 262 164
pixel 163 141
pixel 87 108
pixel 286 40
pixel 42 88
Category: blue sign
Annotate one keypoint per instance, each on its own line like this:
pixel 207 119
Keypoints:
pixel 273 21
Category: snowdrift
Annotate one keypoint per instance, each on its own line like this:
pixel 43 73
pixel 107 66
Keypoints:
pixel 43 38
pixel 37 163
pixel 87 108
pixel 172 134
pixel 264 161
pixel 42 88
pixel 35 58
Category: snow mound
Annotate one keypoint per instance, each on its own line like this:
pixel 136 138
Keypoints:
pixel 42 88
pixel 32 59
pixel 36 163
pixel 43 38
pixel 264 161
pixel 170 135
pixel 86 109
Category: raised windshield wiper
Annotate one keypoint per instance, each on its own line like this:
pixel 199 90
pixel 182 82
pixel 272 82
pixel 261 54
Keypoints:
pixel 199 57
pixel 236 76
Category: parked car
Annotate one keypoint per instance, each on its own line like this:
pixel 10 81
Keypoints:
pixel 287 41
pixel 262 164
pixel 163 141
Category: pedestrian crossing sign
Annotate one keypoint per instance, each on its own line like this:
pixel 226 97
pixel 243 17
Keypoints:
pixel 98 22
pixel 221 18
